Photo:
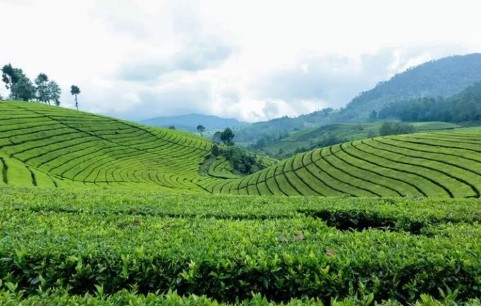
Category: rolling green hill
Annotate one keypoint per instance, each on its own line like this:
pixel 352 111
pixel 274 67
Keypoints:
pixel 439 164
pixel 330 134
pixel 132 220
pixel 48 146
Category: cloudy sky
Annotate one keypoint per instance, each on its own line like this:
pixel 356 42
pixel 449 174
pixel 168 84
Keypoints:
pixel 252 60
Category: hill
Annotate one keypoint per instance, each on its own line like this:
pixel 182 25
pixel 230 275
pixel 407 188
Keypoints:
pixel 54 147
pixel 440 78
pixel 438 164
pixel 50 146
pixel 444 78
pixel 191 121
pixel 100 239
pixel 310 138
pixel 462 107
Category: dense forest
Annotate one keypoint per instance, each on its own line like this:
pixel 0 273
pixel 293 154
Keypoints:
pixel 462 107
pixel 441 78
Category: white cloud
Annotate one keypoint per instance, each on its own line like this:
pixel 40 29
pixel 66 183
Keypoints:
pixel 248 59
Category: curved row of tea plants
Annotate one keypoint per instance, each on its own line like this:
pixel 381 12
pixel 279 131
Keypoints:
pixel 221 168
pixel 42 146
pixel 434 165
pixel 222 248
pixel 51 146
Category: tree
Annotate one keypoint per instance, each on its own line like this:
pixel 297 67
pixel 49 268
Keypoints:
pixel 226 136
pixel 216 150
pixel 9 76
pixel 74 90
pixel 41 83
pixel 21 88
pixel 54 92
pixel 200 129
pixel 216 137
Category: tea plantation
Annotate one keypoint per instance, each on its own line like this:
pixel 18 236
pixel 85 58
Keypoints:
pixel 100 211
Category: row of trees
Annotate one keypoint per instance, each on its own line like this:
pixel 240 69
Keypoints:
pixel 42 89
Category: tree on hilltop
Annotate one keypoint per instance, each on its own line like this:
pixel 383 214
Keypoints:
pixel 216 137
pixel 201 129
pixel 9 76
pixel 75 91
pixel 41 83
pixel 20 86
pixel 226 136
pixel 54 92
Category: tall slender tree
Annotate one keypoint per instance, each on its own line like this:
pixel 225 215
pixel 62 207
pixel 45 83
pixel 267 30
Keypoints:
pixel 9 76
pixel 200 129
pixel 54 92
pixel 41 83
pixel 75 91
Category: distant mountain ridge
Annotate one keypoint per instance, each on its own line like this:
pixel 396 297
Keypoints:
pixel 189 122
pixel 444 77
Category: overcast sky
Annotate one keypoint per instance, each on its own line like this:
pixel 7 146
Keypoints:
pixel 252 60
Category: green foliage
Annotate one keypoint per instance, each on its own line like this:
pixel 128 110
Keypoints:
pixel 41 83
pixel 441 78
pixel 75 91
pixel 200 129
pixel 463 107
pixel 227 248
pixel 216 137
pixel 46 146
pixel 260 134
pixel 395 128
pixel 54 92
pixel 215 150
pixel 242 161
pixel 442 164
pixel 49 146
pixel 21 88
pixel 227 136
pixel 9 76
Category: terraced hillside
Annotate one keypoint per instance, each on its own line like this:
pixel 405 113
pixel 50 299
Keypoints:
pixel 442 164
pixel 50 146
